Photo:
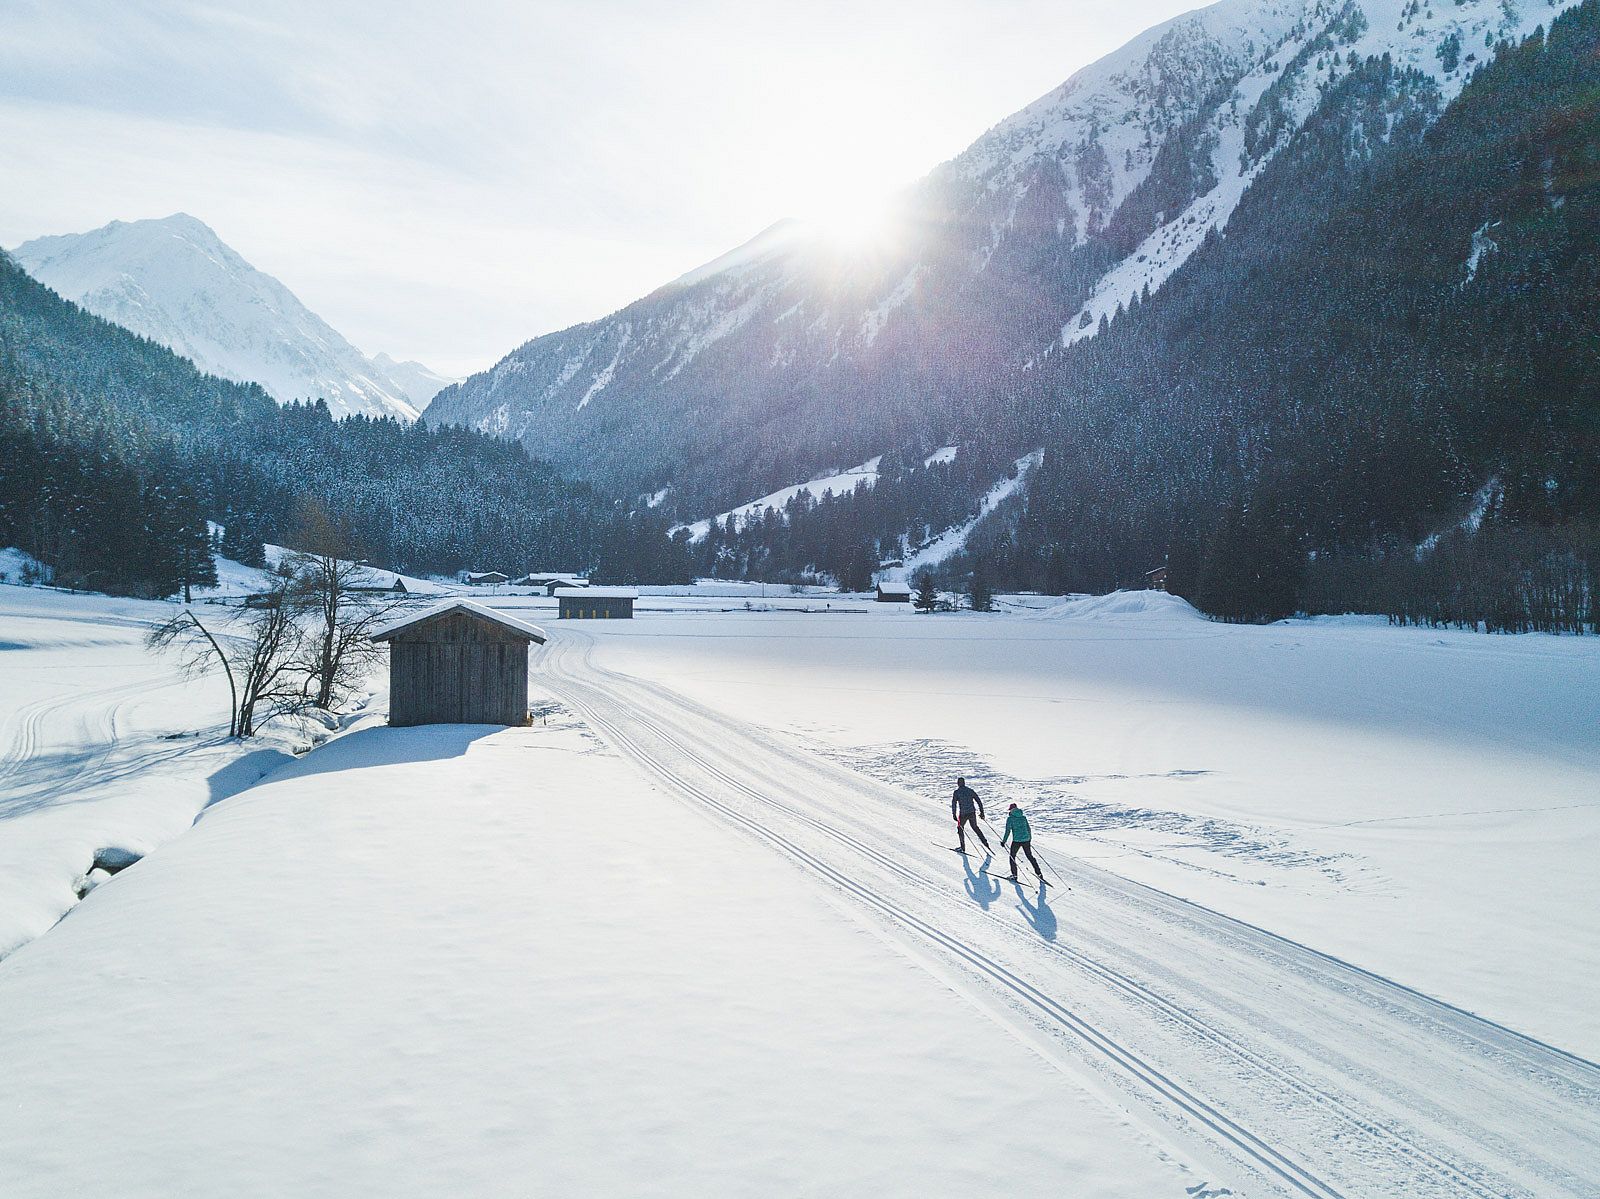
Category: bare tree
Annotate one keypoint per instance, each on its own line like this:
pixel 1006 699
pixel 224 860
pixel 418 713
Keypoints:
pixel 185 634
pixel 331 587
pixel 258 649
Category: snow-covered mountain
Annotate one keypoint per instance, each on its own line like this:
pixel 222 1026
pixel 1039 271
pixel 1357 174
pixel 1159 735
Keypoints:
pixel 416 382
pixel 791 354
pixel 176 282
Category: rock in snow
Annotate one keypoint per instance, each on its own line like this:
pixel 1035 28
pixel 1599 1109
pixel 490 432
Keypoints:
pixel 176 282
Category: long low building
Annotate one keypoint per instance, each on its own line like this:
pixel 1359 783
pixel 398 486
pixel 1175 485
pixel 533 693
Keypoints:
pixel 595 603
pixel 549 581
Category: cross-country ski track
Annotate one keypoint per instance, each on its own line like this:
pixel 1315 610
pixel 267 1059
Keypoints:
pixel 1307 1075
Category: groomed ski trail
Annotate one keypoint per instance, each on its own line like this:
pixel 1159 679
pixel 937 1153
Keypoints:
pixel 1309 1075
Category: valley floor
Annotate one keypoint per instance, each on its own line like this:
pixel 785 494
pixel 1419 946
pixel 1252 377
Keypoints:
pixel 1422 803
pixel 467 961
pixel 699 930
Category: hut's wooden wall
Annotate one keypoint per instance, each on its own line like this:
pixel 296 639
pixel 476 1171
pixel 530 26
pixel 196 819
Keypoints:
pixel 579 607
pixel 457 670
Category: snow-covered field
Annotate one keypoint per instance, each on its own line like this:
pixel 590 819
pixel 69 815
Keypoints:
pixel 102 747
pixel 1424 804
pixel 467 961
pixel 697 930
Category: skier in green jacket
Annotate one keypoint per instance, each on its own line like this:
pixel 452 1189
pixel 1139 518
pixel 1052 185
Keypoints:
pixel 1021 837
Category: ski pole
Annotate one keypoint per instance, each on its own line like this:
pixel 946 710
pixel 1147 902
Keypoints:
pixel 1053 870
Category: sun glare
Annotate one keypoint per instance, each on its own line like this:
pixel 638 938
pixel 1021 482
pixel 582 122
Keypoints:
pixel 855 224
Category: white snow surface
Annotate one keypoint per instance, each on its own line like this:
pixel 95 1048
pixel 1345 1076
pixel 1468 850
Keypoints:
pixel 15 563
pixel 417 383
pixel 474 961
pixel 456 960
pixel 176 282
pixel 876 317
pixel 102 746
pixel 603 379
pixel 838 483
pixel 1423 803
pixel 1482 243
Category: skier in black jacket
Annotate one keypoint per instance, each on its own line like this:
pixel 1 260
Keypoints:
pixel 965 809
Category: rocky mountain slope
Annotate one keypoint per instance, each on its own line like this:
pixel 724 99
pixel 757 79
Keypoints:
pixel 793 355
pixel 176 282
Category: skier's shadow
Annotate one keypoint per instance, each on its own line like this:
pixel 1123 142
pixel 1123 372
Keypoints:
pixel 1037 913
pixel 981 887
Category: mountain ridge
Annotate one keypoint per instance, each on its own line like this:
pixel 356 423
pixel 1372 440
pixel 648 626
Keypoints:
pixel 729 383
pixel 177 282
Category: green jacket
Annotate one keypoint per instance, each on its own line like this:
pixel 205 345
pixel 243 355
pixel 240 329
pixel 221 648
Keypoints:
pixel 1017 827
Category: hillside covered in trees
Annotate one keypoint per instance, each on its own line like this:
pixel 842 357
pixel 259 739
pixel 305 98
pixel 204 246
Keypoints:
pixel 114 453
pixel 1378 390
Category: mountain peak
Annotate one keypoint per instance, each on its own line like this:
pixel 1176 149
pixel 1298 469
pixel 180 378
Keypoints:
pixel 173 280
pixel 183 222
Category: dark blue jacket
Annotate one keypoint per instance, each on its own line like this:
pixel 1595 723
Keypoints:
pixel 964 802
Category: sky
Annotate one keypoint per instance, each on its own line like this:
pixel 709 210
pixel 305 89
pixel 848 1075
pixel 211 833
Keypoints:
pixel 445 181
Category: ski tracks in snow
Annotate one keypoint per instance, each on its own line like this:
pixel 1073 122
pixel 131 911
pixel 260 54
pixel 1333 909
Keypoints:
pixel 1308 1075
pixel 66 743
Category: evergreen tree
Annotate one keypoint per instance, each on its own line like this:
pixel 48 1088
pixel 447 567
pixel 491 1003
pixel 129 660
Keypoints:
pixel 980 596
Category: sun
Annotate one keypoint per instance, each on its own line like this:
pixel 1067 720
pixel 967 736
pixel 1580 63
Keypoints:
pixel 855 224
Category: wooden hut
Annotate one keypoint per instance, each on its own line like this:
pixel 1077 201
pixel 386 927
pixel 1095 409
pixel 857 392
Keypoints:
pixel 595 603
pixel 458 662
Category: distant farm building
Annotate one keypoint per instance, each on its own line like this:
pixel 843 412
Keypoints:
pixel 458 662
pixel 549 582
pixel 893 593
pixel 487 578
pixel 398 587
pixel 595 603
pixel 1156 580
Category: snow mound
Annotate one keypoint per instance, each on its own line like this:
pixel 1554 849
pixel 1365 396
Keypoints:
pixel 1122 605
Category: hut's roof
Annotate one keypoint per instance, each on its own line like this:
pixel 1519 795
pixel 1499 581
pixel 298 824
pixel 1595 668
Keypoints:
pixel 472 608
pixel 598 592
